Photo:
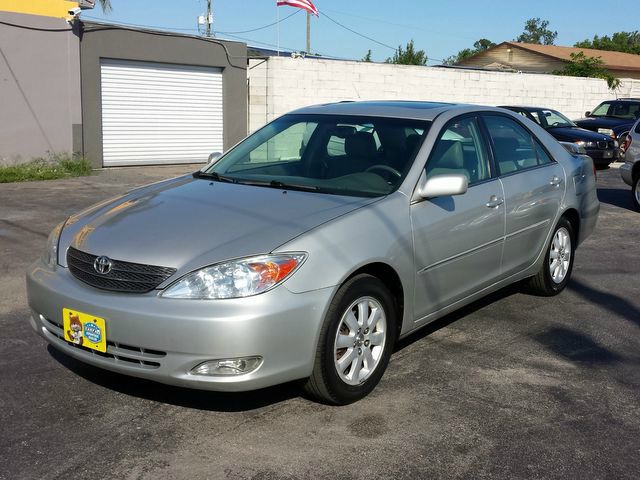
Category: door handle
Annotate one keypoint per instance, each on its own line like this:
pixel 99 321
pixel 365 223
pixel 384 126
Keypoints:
pixel 494 201
pixel 555 181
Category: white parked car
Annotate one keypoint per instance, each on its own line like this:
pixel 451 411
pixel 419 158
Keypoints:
pixel 630 171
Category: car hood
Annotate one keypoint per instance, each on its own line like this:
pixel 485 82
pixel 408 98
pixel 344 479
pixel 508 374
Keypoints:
pixel 575 134
pixel 594 123
pixel 187 223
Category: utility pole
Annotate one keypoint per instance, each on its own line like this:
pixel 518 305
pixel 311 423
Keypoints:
pixel 209 19
pixel 308 32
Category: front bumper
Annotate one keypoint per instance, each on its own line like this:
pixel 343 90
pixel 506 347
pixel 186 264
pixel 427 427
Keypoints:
pixel 603 156
pixel 626 172
pixel 163 339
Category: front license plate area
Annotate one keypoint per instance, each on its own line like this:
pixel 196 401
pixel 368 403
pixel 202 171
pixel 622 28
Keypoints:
pixel 84 330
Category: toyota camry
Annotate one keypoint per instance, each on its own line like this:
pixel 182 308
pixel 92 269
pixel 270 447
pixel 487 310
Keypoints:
pixel 307 250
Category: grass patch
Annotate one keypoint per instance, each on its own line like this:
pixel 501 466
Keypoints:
pixel 50 168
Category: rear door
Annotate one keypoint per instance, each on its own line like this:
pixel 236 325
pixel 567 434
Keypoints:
pixel 458 239
pixel 534 185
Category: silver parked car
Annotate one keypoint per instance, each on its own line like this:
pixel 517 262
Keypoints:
pixel 630 170
pixel 310 248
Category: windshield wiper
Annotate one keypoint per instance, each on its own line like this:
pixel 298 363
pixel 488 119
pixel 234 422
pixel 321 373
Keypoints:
pixel 293 186
pixel 213 176
pixel 279 184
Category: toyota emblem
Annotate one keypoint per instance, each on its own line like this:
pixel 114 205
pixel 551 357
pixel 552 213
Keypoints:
pixel 103 265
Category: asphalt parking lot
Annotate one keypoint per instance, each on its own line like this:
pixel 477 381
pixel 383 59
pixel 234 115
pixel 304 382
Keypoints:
pixel 514 386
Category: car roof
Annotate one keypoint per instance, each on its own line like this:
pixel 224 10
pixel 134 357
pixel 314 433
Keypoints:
pixel 528 108
pixel 395 108
pixel 623 100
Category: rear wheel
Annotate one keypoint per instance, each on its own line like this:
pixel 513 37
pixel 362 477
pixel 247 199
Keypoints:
pixel 355 343
pixel 558 261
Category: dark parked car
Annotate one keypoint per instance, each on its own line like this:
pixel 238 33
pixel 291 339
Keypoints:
pixel 613 117
pixel 600 147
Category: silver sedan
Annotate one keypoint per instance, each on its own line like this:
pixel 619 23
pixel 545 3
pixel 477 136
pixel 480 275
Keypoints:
pixel 310 248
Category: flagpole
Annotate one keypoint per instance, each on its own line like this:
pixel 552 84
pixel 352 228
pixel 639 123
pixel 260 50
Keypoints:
pixel 308 32
pixel 278 27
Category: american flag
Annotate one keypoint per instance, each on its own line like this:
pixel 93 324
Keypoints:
pixel 304 4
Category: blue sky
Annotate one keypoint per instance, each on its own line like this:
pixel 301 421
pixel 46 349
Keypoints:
pixel 440 28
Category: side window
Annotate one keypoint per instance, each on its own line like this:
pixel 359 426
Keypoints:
pixel 514 148
pixel 625 110
pixel 536 117
pixel 460 149
pixel 286 146
pixel 543 156
pixel 335 146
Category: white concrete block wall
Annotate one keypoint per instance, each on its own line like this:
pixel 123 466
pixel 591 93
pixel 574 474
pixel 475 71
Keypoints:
pixel 281 84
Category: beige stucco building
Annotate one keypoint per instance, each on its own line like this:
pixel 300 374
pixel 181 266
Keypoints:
pixel 529 57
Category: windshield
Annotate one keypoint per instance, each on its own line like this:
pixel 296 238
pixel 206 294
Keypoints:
pixel 624 110
pixel 551 119
pixel 342 155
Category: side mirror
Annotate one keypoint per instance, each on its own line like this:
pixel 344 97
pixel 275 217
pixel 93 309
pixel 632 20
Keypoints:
pixel 587 113
pixel 213 157
pixel 443 185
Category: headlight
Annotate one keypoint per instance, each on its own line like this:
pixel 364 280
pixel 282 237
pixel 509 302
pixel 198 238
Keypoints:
pixel 607 131
pixel 50 254
pixel 238 278
pixel 585 144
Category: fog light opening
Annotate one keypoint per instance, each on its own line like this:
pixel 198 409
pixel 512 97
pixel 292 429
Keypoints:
pixel 227 366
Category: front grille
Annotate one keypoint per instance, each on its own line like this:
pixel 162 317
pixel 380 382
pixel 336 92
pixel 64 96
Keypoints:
pixel 611 144
pixel 140 357
pixel 123 277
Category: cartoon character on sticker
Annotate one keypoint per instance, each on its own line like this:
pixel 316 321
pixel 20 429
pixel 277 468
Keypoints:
pixel 75 329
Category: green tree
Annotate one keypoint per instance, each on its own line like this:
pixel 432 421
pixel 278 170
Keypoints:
pixel 536 31
pixel 367 57
pixel 627 42
pixel 408 56
pixel 593 67
pixel 478 46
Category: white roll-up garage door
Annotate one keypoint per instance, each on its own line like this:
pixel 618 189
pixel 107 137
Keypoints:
pixel 159 113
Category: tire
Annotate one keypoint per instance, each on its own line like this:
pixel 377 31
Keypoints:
pixel 552 278
pixel 635 192
pixel 345 335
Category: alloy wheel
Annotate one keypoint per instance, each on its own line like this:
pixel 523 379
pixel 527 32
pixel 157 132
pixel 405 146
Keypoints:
pixel 560 255
pixel 360 340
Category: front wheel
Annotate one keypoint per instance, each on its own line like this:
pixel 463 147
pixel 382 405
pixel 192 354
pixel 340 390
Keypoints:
pixel 356 341
pixel 555 272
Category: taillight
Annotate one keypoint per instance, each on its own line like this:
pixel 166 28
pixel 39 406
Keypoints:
pixel 627 143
